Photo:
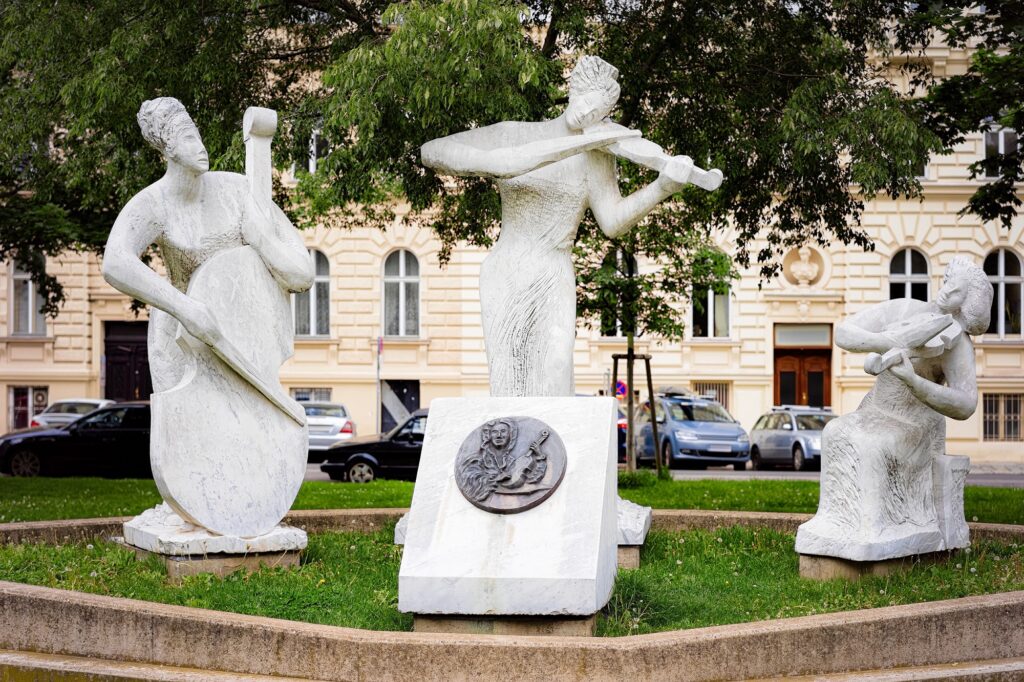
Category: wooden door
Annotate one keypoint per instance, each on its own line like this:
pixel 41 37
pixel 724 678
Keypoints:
pixel 803 377
pixel 127 361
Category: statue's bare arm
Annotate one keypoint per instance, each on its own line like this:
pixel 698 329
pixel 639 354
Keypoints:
pixel 958 399
pixel 496 150
pixel 863 332
pixel 614 213
pixel 267 229
pixel 133 232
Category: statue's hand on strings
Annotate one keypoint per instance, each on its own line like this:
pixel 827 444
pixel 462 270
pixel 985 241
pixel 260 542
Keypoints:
pixel 200 323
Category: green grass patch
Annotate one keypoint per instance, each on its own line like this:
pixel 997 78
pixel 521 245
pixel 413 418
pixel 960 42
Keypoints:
pixel 36 499
pixel 686 580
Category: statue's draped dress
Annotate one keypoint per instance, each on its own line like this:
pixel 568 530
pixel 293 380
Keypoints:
pixel 528 285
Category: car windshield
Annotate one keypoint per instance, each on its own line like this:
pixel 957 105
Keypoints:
pixel 325 411
pixel 70 408
pixel 813 422
pixel 698 412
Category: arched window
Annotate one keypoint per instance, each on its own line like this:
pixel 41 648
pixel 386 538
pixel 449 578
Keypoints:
pixel 313 307
pixel 26 303
pixel 1003 268
pixel 908 275
pixel 401 294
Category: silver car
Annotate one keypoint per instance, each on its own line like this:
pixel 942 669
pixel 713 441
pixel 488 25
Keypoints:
pixel 67 411
pixel 329 423
pixel 790 434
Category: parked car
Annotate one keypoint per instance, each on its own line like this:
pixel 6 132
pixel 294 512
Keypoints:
pixel 67 411
pixel 693 431
pixel 329 423
pixel 112 441
pixel 395 454
pixel 790 434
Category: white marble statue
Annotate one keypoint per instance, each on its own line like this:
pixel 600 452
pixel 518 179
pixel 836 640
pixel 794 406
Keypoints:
pixel 228 447
pixel 548 174
pixel 888 489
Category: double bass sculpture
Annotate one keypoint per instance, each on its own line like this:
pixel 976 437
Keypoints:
pixel 228 447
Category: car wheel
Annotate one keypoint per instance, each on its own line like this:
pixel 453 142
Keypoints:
pixel 26 463
pixel 361 472
pixel 666 455
pixel 799 462
pixel 755 459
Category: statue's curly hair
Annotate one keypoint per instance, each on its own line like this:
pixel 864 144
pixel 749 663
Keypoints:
pixel 161 120
pixel 593 74
pixel 976 311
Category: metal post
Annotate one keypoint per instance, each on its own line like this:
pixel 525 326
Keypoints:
pixel 630 447
pixel 654 415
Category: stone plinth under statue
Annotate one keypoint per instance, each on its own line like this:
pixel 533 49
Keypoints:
pixel 553 558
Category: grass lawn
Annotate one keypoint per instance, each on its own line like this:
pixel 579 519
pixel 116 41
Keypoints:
pixel 35 499
pixel 686 580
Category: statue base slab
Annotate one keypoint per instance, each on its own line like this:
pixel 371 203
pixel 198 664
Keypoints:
pixel 550 626
pixel 161 531
pixel 829 568
pixel 179 567
pixel 554 558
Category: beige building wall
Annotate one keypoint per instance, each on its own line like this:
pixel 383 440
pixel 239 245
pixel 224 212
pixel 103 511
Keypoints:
pixel 447 356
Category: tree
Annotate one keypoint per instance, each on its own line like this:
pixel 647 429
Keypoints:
pixel 988 97
pixel 780 95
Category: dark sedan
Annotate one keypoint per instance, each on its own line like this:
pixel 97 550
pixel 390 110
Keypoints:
pixel 112 441
pixel 395 454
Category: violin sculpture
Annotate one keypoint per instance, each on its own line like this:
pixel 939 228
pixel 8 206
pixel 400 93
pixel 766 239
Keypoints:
pixel 228 447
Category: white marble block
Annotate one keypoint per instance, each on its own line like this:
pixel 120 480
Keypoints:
pixel 162 531
pixel 556 558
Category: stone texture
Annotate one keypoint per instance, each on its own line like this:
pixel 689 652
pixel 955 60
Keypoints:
pixel 830 568
pixel 550 626
pixel 48 620
pixel 558 558
pixel 179 567
pixel 227 445
pixel 161 531
pixel 634 521
pixel 629 556
pixel 548 174
pixel 888 489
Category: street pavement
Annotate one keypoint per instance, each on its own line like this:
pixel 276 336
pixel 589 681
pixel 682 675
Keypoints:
pixel 991 474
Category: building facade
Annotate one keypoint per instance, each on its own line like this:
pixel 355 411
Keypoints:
pixel 385 329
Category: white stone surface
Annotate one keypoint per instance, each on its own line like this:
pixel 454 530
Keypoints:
pixel 162 531
pixel 228 446
pixel 634 521
pixel 887 488
pixel 548 174
pixel 558 558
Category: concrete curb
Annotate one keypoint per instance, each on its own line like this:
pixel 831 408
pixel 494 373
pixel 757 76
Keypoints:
pixel 53 621
pixel 367 520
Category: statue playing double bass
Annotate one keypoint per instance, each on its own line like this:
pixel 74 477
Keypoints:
pixel 228 447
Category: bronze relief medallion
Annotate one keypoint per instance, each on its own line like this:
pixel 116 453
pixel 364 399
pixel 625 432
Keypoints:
pixel 510 464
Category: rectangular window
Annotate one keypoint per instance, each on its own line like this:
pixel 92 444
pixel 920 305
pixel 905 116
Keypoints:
pixel 1001 141
pixel 26 402
pixel 711 315
pixel 719 390
pixel 26 304
pixel 1001 414
pixel 321 395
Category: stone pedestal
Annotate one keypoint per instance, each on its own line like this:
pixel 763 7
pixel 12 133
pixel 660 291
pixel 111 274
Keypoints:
pixel 555 557
pixel 179 567
pixel 524 625
pixel 187 549
pixel 829 568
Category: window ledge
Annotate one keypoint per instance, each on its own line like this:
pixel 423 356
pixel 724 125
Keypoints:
pixel 713 341
pixel 403 341
pixel 312 340
pixel 26 338
pixel 996 342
